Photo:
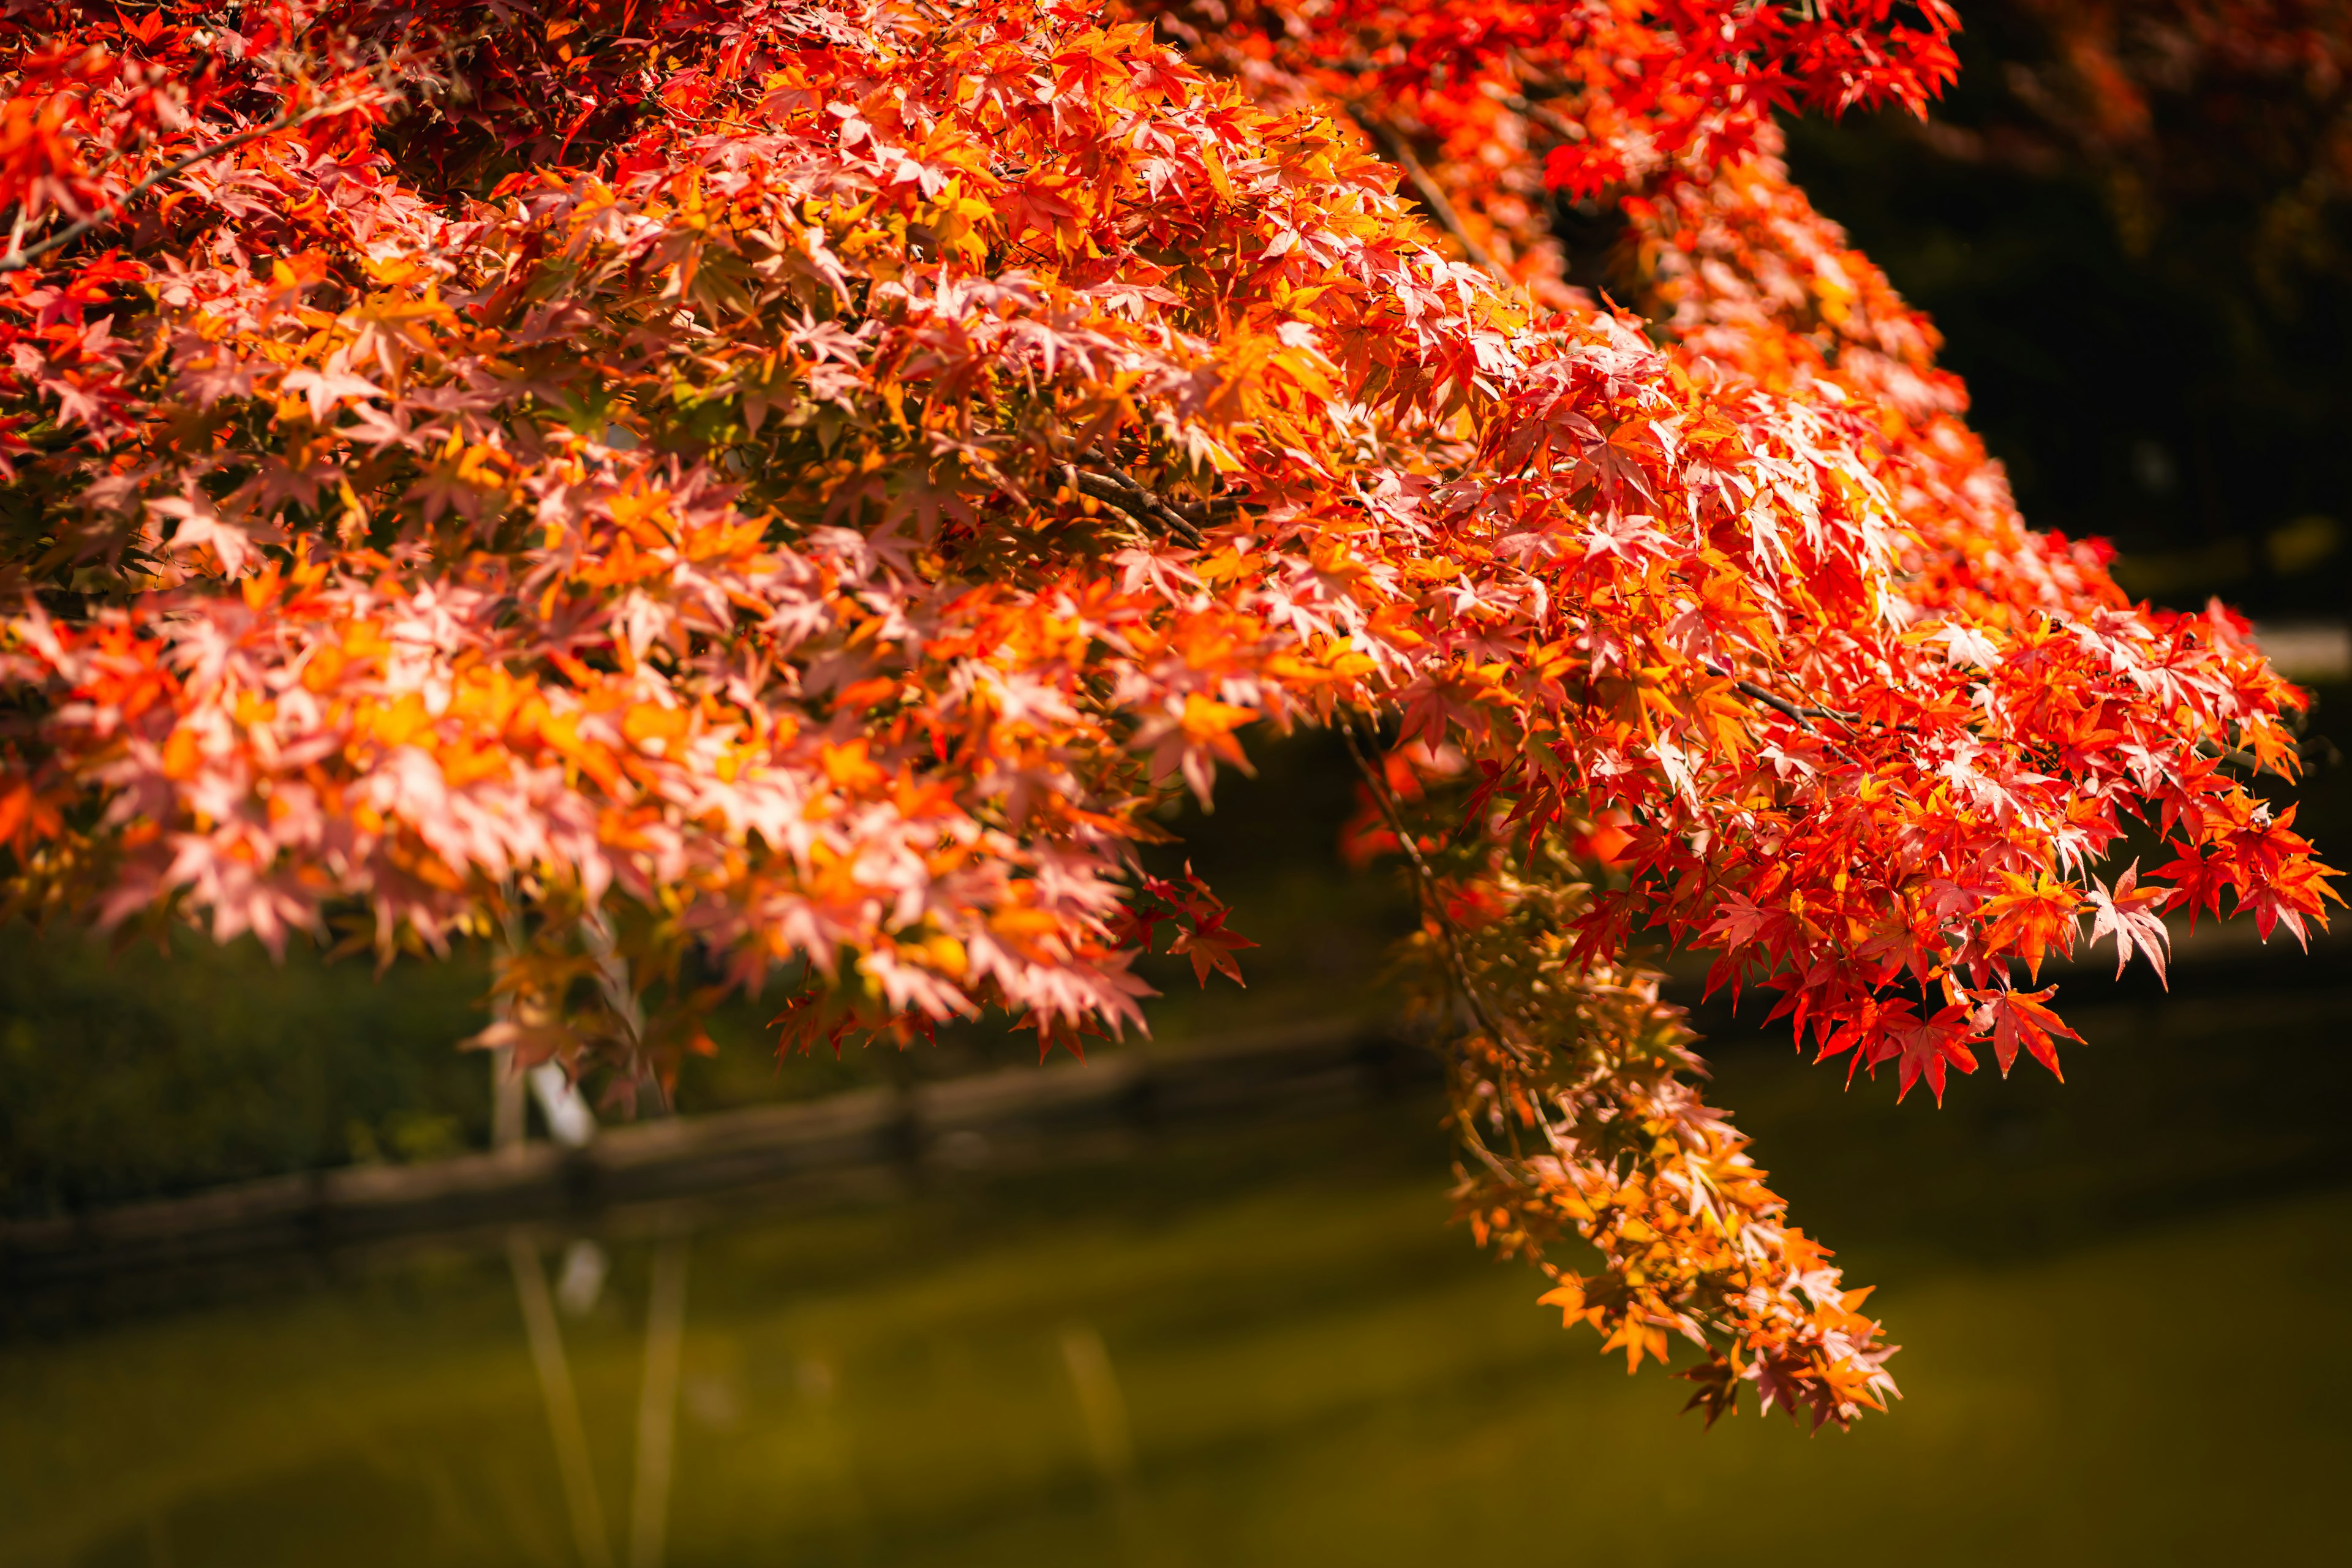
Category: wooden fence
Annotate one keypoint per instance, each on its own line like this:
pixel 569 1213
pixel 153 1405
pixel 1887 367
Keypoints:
pixel 875 1141
pixel 860 1142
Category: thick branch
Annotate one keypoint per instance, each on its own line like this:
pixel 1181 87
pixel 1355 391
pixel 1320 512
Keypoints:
pixel 1114 488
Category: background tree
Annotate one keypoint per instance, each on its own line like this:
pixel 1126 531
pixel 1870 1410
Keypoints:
pixel 696 490
pixel 2160 188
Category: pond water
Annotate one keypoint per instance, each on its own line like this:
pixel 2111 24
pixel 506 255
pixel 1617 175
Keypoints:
pixel 2125 1300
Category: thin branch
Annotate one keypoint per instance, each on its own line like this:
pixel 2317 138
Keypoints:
pixel 1550 119
pixel 1804 716
pixel 1801 713
pixel 1392 147
pixel 1425 883
pixel 20 258
pixel 2239 757
pixel 2236 757
pixel 1467 1121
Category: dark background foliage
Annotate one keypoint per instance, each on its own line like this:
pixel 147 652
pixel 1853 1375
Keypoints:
pixel 2155 333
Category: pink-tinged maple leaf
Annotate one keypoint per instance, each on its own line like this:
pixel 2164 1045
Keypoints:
pixel 326 388
pixel 2133 916
pixel 199 523
pixel 1968 645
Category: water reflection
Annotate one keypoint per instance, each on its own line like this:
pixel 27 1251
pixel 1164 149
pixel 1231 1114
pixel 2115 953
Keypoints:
pixel 2125 1300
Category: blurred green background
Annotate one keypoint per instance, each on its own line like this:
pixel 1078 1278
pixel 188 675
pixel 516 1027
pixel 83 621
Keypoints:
pixel 2124 1297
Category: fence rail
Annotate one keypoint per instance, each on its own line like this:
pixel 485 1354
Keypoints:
pixel 878 1140
pixel 863 1140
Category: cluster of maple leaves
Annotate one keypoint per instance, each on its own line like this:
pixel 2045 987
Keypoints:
pixel 693 489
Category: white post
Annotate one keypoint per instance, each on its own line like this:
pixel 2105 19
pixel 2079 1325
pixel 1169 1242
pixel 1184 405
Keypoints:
pixel 562 1403
pixel 569 1120
pixel 508 1125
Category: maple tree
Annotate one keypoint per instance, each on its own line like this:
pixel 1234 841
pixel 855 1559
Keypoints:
pixel 697 491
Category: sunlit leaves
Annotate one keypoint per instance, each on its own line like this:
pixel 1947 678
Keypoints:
pixel 2132 916
pixel 731 493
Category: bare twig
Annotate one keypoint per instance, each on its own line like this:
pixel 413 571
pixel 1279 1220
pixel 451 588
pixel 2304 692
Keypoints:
pixel 1804 716
pixel 1550 119
pixel 2239 757
pixel 1799 712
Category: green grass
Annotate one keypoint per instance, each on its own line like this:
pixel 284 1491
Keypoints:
pixel 139 1073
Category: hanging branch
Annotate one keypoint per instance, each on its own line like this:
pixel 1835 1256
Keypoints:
pixel 20 256
pixel 1425 884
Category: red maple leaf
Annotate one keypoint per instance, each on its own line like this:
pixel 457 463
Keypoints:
pixel 2198 882
pixel 2018 1017
pixel 1933 1046
pixel 1211 946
